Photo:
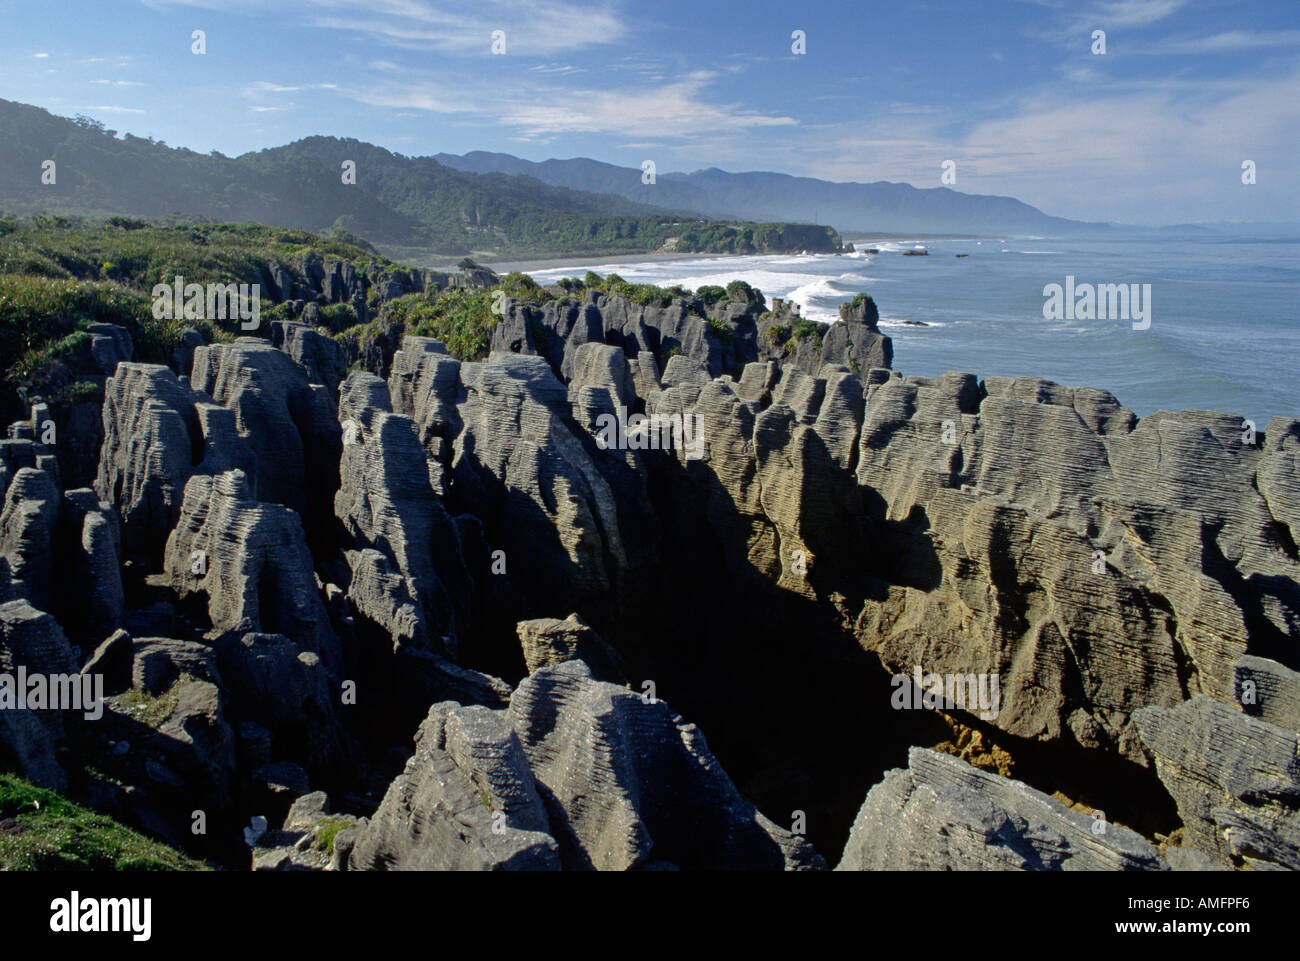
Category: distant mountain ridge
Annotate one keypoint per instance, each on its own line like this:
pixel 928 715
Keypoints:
pixel 882 206
pixel 481 203
pixel 410 207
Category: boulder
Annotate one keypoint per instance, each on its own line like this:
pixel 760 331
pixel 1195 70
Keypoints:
pixel 941 814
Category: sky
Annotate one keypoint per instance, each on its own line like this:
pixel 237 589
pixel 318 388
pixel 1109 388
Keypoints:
pixel 1152 131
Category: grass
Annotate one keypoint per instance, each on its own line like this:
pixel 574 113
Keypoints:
pixel 41 830
pixel 327 829
pixel 147 709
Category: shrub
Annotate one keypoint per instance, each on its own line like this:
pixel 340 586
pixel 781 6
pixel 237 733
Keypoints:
pixel 711 295
pixel 722 329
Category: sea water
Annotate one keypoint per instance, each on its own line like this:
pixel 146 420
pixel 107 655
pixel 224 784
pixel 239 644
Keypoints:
pixel 1224 331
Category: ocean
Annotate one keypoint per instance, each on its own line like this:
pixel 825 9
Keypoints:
pixel 1224 328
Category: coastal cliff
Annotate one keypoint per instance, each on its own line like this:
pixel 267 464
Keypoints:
pixel 395 556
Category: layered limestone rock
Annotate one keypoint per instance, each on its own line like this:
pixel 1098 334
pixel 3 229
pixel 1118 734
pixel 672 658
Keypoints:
pixel 856 341
pixel 250 560
pixel 318 354
pixel 578 774
pixel 28 537
pixel 629 784
pixel 157 434
pixel 270 681
pixel 91 556
pixel 466 802
pixel 1096 565
pixel 32 641
pixel 286 421
pixel 403 548
pixel 941 814
pixel 1234 777
pixel 545 493
pixel 549 640
pixel 721 336
pixel 1268 691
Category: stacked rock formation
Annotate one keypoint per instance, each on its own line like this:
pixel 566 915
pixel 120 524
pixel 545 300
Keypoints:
pixel 284 569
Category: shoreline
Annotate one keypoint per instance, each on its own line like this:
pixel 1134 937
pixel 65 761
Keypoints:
pixel 585 262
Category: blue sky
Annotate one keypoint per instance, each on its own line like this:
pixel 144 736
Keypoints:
pixel 1154 131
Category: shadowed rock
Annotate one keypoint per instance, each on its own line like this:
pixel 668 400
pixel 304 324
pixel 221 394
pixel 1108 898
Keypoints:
pixel 1234 778
pixel 941 814
pixel 251 562
pixel 466 802
pixel 403 548
pixel 547 641
pixel 28 532
pixel 31 639
pixel 629 784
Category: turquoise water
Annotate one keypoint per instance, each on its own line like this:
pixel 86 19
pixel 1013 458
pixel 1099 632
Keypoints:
pixel 1225 314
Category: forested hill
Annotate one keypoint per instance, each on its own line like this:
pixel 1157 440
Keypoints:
pixel 409 207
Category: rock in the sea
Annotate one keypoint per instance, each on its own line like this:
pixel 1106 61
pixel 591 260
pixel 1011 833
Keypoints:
pixel 941 814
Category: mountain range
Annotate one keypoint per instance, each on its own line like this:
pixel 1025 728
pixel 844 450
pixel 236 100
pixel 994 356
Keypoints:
pixel 420 209
pixel 880 207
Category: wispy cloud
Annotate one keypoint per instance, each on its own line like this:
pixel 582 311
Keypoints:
pixel 536 28
pixel 673 111
pixel 1232 41
pixel 1134 13
pixel 1118 151
pixel 538 111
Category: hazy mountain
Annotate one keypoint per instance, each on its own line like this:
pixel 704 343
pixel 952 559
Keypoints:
pixel 877 207
pixel 410 206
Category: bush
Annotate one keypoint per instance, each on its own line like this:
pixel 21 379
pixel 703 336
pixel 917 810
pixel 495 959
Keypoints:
pixel 711 295
pixel 741 292
pixel 459 317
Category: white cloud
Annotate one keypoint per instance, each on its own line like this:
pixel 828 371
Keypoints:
pixel 1145 155
pixel 1134 13
pixel 41 56
pixel 1233 41
pixel 672 111
pixel 537 28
